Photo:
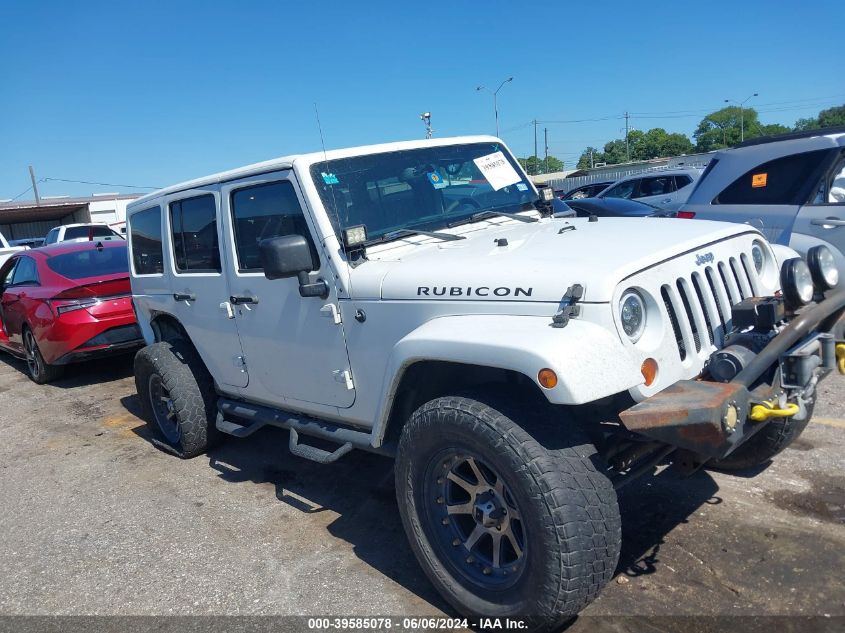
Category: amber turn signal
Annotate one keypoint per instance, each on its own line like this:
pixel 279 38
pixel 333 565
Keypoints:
pixel 649 371
pixel 547 378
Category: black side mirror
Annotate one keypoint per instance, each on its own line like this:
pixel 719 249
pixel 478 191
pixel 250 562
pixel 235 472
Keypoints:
pixel 290 256
pixel 285 256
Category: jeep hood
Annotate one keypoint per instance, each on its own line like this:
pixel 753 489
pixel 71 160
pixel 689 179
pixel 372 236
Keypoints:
pixel 507 260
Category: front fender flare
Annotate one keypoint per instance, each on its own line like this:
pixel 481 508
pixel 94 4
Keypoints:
pixel 589 360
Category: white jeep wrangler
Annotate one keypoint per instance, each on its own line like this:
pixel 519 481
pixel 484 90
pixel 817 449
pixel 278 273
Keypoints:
pixel 417 299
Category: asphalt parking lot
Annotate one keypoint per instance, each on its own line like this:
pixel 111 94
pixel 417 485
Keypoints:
pixel 96 519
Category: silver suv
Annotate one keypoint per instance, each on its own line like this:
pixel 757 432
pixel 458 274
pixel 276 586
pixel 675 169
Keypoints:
pixel 665 189
pixel 791 187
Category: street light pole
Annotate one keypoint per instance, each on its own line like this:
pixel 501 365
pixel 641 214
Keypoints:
pixel 495 94
pixel 741 105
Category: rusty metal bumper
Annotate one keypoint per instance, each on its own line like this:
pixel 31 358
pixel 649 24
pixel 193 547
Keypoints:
pixel 711 418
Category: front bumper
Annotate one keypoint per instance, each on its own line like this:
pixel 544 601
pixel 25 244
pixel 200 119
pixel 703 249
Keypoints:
pixel 711 418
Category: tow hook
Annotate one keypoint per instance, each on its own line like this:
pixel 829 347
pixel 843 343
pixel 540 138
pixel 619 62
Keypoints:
pixel 762 412
pixel 840 358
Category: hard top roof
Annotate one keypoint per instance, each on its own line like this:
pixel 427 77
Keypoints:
pixel 790 136
pixel 286 162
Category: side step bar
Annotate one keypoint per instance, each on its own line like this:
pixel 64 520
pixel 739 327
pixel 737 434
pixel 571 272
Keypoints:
pixel 242 419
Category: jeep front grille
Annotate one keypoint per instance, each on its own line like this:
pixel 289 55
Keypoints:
pixel 699 305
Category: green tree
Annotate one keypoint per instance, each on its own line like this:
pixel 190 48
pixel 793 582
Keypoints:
pixel 832 117
pixel 723 128
pixel 658 143
pixel 811 123
pixel 590 157
pixel 534 165
pixel 826 118
pixel 771 130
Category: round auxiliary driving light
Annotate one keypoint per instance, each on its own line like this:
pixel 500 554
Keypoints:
pixel 632 314
pixel 822 267
pixel 797 282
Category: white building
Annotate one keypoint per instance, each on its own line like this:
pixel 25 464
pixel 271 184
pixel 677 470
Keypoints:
pixel 34 219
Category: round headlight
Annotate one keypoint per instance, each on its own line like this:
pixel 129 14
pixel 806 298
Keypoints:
pixel 796 281
pixel 823 267
pixel 758 256
pixel 632 314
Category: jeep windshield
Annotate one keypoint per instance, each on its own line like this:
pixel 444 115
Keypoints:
pixel 422 189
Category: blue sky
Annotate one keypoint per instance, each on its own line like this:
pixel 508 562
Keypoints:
pixel 151 93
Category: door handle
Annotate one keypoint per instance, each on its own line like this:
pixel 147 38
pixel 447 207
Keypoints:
pixel 828 223
pixel 184 296
pixel 239 300
pixel 666 200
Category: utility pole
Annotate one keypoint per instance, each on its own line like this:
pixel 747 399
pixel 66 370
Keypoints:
pixel 535 148
pixel 34 186
pixel 627 148
pixel 546 143
pixel 592 164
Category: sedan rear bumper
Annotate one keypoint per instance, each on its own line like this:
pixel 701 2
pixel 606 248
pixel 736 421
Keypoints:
pixel 116 340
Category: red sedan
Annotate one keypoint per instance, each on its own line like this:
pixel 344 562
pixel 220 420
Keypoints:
pixel 66 303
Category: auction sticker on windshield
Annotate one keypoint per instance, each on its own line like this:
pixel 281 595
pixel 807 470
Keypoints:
pixel 497 170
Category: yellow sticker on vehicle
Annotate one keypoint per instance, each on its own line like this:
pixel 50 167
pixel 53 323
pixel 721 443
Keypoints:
pixel 759 180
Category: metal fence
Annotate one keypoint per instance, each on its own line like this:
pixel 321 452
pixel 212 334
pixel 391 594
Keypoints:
pixel 679 162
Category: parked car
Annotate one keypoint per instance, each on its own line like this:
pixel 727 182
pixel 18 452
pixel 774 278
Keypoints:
pixel 7 250
pixel 28 242
pixel 617 207
pixel 66 303
pixel 666 189
pixel 791 187
pixel 585 191
pixel 519 367
pixel 81 233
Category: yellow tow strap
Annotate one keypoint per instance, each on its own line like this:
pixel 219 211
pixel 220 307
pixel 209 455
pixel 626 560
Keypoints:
pixel 762 412
pixel 840 357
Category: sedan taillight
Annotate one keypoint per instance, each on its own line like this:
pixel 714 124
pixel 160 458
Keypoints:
pixel 686 215
pixel 62 306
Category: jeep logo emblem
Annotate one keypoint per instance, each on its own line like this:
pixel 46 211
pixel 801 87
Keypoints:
pixel 706 258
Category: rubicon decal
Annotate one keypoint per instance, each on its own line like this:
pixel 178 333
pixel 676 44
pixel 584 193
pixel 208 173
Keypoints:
pixel 469 291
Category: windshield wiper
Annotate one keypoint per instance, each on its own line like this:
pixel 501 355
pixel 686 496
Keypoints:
pixel 489 213
pixel 392 235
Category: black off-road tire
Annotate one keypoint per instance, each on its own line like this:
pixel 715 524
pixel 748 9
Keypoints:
pixel 36 367
pixel 175 367
pixel 572 527
pixel 764 444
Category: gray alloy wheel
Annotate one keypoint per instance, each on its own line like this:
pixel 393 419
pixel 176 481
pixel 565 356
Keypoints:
pixel 164 411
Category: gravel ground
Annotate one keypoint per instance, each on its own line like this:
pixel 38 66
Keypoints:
pixel 96 520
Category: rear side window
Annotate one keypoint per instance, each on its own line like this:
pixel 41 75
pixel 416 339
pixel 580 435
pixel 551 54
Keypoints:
pixel 193 224
pixel 91 262
pixel 267 210
pixel 25 273
pixel 656 186
pixel 779 181
pixel 622 190
pixel 145 234
pixel 682 181
pixel 84 232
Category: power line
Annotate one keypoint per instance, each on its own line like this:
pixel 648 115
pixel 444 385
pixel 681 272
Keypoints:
pixel 22 193
pixel 99 184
